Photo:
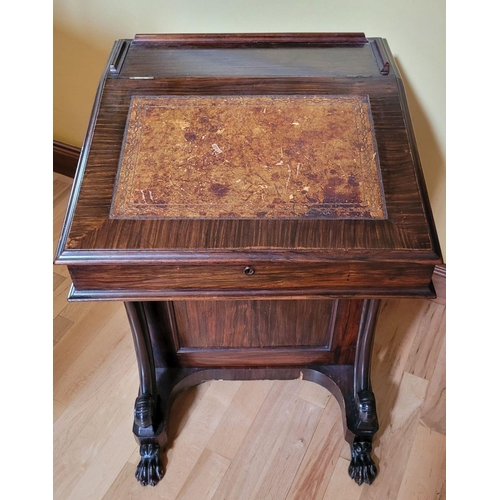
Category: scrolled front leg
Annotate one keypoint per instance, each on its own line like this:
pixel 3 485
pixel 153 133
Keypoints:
pixel 150 469
pixel 362 468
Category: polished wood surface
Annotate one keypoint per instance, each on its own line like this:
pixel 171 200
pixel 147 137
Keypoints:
pixel 252 39
pixel 247 324
pixel 237 440
pixel 277 279
pixel 253 332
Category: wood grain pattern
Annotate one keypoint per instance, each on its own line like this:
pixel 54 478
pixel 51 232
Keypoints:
pixel 422 474
pixel 312 477
pixel 250 39
pixel 434 409
pixel 284 356
pixel 345 333
pixel 125 487
pixel 196 434
pixel 263 324
pixel 74 451
pixel 287 453
pixel 260 441
pixel 333 278
pixel 68 384
pixel 256 333
pixel 234 426
pixel 72 343
pixel 205 477
pixel 260 54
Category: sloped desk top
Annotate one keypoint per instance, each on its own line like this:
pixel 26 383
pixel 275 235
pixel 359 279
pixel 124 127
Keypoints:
pixel 294 153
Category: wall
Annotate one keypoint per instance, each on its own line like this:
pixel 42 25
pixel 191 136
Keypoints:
pixel 84 31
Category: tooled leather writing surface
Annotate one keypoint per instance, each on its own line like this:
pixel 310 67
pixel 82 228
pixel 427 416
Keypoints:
pixel 252 157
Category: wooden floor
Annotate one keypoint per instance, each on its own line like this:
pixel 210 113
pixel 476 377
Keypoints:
pixel 268 440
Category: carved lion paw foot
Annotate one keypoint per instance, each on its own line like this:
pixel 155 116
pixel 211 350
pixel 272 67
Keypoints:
pixel 362 468
pixel 150 469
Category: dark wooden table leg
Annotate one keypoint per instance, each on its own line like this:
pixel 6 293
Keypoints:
pixel 363 422
pixel 148 422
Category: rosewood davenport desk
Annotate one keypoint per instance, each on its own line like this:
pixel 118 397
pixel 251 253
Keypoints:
pixel 250 198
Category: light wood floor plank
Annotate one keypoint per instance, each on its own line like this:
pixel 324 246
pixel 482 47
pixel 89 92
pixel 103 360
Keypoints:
pixel 126 487
pixel 88 446
pixel 341 486
pixel 64 179
pixel 423 470
pixel 88 362
pixel 60 272
pixel 205 477
pixel 100 473
pixel 60 296
pixel 395 334
pixel 187 448
pixel 239 417
pixel 61 326
pixel 252 455
pixel 88 320
pixel 393 448
pixel 288 452
pixel 83 429
pixel 57 280
pixel 315 470
pixel 434 409
pixel 428 340
pixel 315 394
pixel 441 483
pixel 106 385
pixel 186 404
pixel 57 409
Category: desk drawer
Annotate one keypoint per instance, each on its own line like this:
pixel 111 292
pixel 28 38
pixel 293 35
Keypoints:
pixel 343 278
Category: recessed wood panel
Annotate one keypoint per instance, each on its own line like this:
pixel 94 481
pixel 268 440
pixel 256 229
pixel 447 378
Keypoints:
pixel 258 323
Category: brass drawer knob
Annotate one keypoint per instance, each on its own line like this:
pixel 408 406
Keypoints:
pixel 249 270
